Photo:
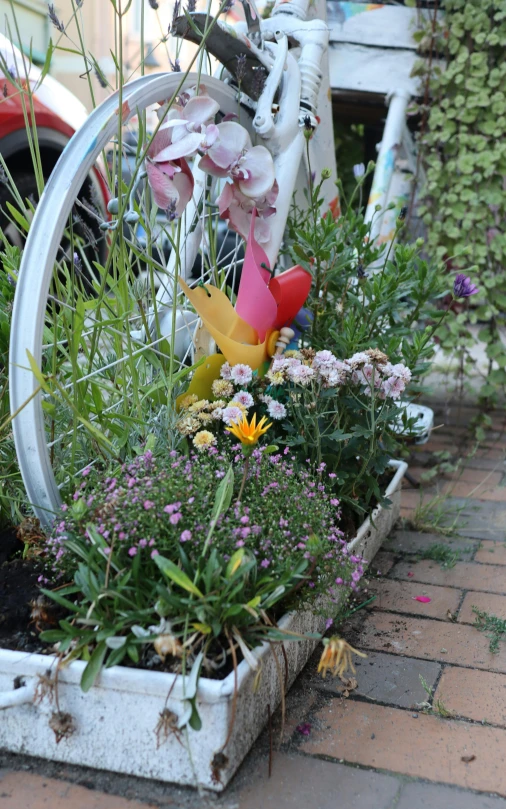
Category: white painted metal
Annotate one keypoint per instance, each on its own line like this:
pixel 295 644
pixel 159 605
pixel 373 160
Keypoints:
pixel 388 151
pixel 115 722
pixel 380 26
pixel 399 194
pixel 356 68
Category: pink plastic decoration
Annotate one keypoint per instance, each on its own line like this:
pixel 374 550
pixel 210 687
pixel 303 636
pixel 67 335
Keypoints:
pixel 264 305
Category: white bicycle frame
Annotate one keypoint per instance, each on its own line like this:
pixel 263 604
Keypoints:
pixel 301 92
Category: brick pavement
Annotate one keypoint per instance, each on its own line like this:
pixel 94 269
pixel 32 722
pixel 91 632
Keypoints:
pixel 389 744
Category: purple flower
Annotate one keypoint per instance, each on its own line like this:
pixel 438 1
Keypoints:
pixel 174 518
pixel 171 508
pixel 186 536
pixel 304 729
pixel 462 286
pixel 148 504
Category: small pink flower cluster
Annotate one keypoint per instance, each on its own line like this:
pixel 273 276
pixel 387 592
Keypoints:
pixel 375 372
pixel 370 369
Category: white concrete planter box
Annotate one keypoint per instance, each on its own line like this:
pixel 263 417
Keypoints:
pixel 115 722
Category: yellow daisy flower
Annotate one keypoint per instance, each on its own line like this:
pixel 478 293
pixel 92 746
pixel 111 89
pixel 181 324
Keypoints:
pixel 249 433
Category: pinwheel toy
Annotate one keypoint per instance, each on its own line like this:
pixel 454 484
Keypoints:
pixel 250 332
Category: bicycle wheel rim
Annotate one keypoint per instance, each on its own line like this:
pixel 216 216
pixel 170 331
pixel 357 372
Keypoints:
pixel 37 269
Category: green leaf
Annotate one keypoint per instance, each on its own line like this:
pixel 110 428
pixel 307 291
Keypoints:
pixel 39 376
pixel 193 679
pixel 52 635
pixel 94 667
pixel 19 218
pixel 235 562
pixel 195 721
pixel 61 600
pixel 224 494
pixel 175 574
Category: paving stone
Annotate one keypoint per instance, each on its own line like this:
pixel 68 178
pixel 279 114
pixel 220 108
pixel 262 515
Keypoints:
pixel 483 520
pixel 24 790
pixel 485 602
pixel 399 596
pixel 417 745
pixel 415 542
pixel 414 498
pixel 492 451
pixel 417 795
pixel 478 695
pixel 383 563
pixel 475 518
pixel 491 552
pixel 302 781
pixel 422 457
pixel 430 640
pixel 465 474
pixel 483 491
pixel 482 578
pixel 387 678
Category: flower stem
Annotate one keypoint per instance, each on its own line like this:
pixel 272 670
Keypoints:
pixel 243 481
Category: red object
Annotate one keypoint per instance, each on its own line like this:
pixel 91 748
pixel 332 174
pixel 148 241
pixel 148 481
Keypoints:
pixel 290 291
pixel 422 599
pixel 58 115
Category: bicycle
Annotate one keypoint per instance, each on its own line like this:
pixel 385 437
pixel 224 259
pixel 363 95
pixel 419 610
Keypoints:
pixel 84 337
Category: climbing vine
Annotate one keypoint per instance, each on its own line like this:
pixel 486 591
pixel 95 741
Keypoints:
pixel 463 146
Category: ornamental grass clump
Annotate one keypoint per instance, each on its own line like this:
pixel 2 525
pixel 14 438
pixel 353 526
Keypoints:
pixel 168 564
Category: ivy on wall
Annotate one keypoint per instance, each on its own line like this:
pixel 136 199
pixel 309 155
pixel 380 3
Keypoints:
pixel 463 145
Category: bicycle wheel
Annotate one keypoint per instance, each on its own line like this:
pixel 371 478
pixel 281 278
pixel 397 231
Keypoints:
pixel 95 335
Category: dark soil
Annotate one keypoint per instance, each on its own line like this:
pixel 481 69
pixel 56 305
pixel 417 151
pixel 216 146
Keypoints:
pixel 18 587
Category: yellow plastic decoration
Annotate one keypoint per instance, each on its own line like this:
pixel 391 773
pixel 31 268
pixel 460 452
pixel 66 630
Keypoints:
pixel 203 379
pixel 236 339
pixel 271 341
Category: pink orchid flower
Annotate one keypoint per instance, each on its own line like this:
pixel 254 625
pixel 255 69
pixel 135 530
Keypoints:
pixel 232 154
pixel 187 125
pixel 171 181
pixel 192 127
pixel 238 209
